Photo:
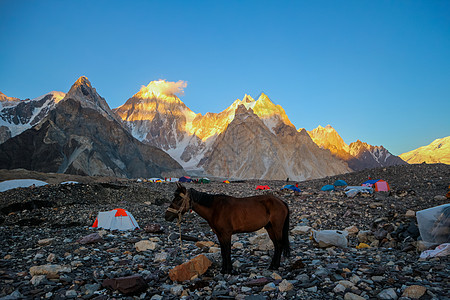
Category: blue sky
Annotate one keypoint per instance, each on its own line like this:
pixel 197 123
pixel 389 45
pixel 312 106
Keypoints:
pixel 378 71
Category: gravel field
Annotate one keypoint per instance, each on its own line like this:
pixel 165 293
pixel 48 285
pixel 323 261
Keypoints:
pixel 43 226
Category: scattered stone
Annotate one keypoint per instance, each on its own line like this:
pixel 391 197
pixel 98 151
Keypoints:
pixel 45 242
pixel 351 296
pixel 285 286
pixel 388 294
pixel 161 257
pixel 128 285
pixel 51 271
pixel 352 230
pixel 154 228
pixel 414 291
pixel 410 213
pixel 91 239
pixel 261 241
pixel 258 282
pixel 196 266
pixel 301 229
pixel 145 245
pixel 269 287
pixel 204 244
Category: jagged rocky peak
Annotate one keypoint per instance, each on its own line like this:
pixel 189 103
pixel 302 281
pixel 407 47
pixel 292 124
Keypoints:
pixel 327 137
pixel 87 95
pixel 358 147
pixel 83 90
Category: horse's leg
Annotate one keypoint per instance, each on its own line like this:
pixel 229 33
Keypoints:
pixel 225 250
pixel 277 244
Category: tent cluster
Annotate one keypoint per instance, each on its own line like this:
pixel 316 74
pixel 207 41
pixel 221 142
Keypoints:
pixel 377 184
pixel 369 186
pixel 173 179
pixel 332 187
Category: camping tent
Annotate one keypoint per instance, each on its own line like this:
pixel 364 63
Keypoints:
pixel 204 180
pixel 291 187
pixel 116 219
pixel 185 179
pixel 262 187
pixel 340 183
pixel 155 179
pixel 327 188
pixel 379 185
pixel 171 179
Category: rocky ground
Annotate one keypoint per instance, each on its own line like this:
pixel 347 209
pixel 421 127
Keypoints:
pixel 44 255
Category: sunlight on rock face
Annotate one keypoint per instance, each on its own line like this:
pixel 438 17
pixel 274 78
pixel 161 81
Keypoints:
pixel 161 89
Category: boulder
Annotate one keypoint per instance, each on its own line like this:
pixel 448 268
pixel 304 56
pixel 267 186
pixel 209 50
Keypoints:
pixel 145 245
pixel 196 266
pixel 90 239
pixel 51 271
pixel 414 291
pixel 301 230
pixel 128 285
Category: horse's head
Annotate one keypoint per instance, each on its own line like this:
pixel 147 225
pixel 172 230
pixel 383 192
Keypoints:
pixel 180 203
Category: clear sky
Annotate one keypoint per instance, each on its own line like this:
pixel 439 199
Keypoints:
pixel 378 71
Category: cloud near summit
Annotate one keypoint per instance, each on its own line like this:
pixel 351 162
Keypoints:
pixel 163 87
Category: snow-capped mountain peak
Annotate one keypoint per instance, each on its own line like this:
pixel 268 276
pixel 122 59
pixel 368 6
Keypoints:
pixel 57 96
pixel 437 151
pixel 20 115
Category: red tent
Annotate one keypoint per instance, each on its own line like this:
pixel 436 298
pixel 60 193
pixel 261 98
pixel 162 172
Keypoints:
pixel 263 187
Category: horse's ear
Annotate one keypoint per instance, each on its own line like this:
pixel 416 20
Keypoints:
pixel 180 186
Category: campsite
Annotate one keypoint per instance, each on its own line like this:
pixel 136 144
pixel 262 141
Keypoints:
pixel 52 251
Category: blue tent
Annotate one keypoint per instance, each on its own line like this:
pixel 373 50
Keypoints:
pixel 291 187
pixel 340 183
pixel 185 179
pixel 370 182
pixel 327 187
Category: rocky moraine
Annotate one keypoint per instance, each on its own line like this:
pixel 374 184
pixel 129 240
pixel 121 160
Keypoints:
pixel 49 251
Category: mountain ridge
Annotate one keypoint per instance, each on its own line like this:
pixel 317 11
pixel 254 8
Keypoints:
pixel 438 151
pixel 359 155
pixel 82 136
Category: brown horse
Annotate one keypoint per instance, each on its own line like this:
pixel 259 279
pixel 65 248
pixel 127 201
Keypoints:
pixel 228 215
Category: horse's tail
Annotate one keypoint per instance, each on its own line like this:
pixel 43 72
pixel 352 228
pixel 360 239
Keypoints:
pixel 285 237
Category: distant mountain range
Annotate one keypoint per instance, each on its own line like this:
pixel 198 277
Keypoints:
pixel 252 139
pixel 248 140
pixel 358 155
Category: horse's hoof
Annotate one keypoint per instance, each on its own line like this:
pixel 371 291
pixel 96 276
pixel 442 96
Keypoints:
pixel 271 267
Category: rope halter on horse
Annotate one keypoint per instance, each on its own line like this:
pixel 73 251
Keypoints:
pixel 185 206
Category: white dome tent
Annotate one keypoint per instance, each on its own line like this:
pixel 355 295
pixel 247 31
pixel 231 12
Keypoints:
pixel 116 219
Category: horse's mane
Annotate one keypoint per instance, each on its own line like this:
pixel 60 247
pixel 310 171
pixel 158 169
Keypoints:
pixel 201 198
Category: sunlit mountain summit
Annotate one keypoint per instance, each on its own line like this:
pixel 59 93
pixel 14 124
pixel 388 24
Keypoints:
pixel 156 115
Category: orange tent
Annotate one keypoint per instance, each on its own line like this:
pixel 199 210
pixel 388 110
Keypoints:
pixel 381 186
